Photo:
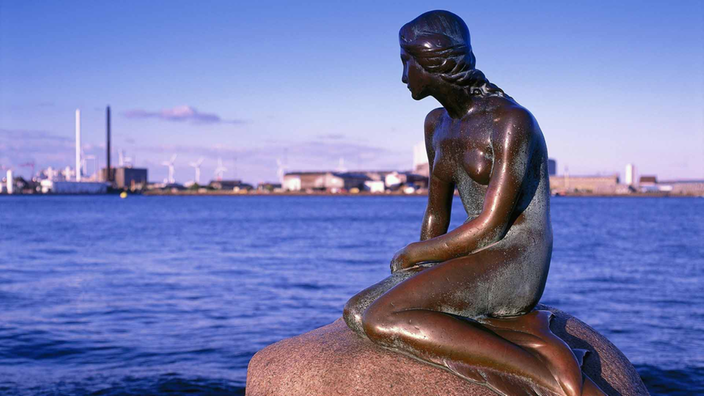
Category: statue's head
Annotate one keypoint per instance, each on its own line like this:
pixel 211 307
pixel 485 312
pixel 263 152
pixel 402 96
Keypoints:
pixel 438 42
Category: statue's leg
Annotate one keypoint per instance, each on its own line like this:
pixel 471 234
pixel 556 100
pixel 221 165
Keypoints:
pixel 355 307
pixel 419 316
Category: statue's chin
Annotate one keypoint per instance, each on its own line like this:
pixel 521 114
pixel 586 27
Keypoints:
pixel 418 96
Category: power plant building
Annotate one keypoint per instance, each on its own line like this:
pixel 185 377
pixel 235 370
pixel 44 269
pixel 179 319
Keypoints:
pixel 72 187
pixel 131 178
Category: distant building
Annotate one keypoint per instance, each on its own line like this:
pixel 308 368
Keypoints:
pixel 630 175
pixel 683 187
pixel 418 182
pixel 17 185
pixel 648 184
pixel 374 186
pixel 353 180
pixel 104 175
pixel 229 185
pixel 72 187
pixel 373 181
pixel 324 181
pixel 268 187
pixel 589 184
pixel 10 183
pixel 303 181
pixel 395 179
pixel 420 159
pixel 552 167
pixel 376 175
pixel 292 182
pixel 132 178
pixel 224 184
pixel 648 180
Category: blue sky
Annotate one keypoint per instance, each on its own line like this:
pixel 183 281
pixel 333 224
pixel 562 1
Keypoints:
pixel 310 83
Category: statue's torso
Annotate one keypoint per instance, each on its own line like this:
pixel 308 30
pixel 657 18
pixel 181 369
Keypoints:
pixel 465 155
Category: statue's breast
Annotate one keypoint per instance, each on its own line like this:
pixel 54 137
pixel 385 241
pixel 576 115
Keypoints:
pixel 478 163
pixel 463 147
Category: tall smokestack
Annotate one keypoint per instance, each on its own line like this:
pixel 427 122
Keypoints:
pixel 78 145
pixel 109 174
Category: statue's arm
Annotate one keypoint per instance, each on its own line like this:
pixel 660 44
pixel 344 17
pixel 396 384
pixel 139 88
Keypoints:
pixel 512 142
pixel 437 214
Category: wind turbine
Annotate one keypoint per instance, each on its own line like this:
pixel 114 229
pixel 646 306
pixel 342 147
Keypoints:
pixel 341 166
pixel 197 166
pixel 280 170
pixel 170 164
pixel 220 170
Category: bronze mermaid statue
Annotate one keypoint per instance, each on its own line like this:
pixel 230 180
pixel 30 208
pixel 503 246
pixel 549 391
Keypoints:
pixel 465 299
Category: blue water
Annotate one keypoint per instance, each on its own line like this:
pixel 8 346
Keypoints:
pixel 154 295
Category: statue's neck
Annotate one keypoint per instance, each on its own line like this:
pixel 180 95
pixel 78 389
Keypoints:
pixel 457 100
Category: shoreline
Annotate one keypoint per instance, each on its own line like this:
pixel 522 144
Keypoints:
pixel 341 194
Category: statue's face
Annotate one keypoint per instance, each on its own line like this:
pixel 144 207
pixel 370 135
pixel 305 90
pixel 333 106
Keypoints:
pixel 415 77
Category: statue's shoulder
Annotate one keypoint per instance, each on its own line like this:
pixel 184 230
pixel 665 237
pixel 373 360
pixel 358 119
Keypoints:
pixel 508 109
pixel 512 118
pixel 432 120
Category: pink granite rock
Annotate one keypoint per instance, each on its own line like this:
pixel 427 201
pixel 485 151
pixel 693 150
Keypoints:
pixel 332 360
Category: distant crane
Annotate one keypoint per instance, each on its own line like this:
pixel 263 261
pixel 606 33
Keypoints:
pixel 220 170
pixel 196 165
pixel 170 164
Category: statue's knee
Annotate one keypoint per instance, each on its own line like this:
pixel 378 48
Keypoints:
pixel 350 310
pixel 352 314
pixel 376 322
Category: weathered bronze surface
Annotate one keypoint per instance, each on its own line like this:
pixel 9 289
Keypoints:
pixel 464 299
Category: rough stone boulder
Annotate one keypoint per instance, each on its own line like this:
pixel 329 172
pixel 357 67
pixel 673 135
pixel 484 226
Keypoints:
pixel 332 360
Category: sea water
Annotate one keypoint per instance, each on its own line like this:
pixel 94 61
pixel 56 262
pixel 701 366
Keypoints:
pixel 154 295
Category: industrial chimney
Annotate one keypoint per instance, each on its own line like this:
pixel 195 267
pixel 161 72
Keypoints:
pixel 78 145
pixel 108 176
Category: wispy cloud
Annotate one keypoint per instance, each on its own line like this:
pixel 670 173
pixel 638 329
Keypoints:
pixel 331 136
pixel 24 136
pixel 22 145
pixel 181 114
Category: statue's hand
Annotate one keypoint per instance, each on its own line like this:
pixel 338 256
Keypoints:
pixel 402 260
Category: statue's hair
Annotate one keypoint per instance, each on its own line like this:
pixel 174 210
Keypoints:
pixel 439 41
